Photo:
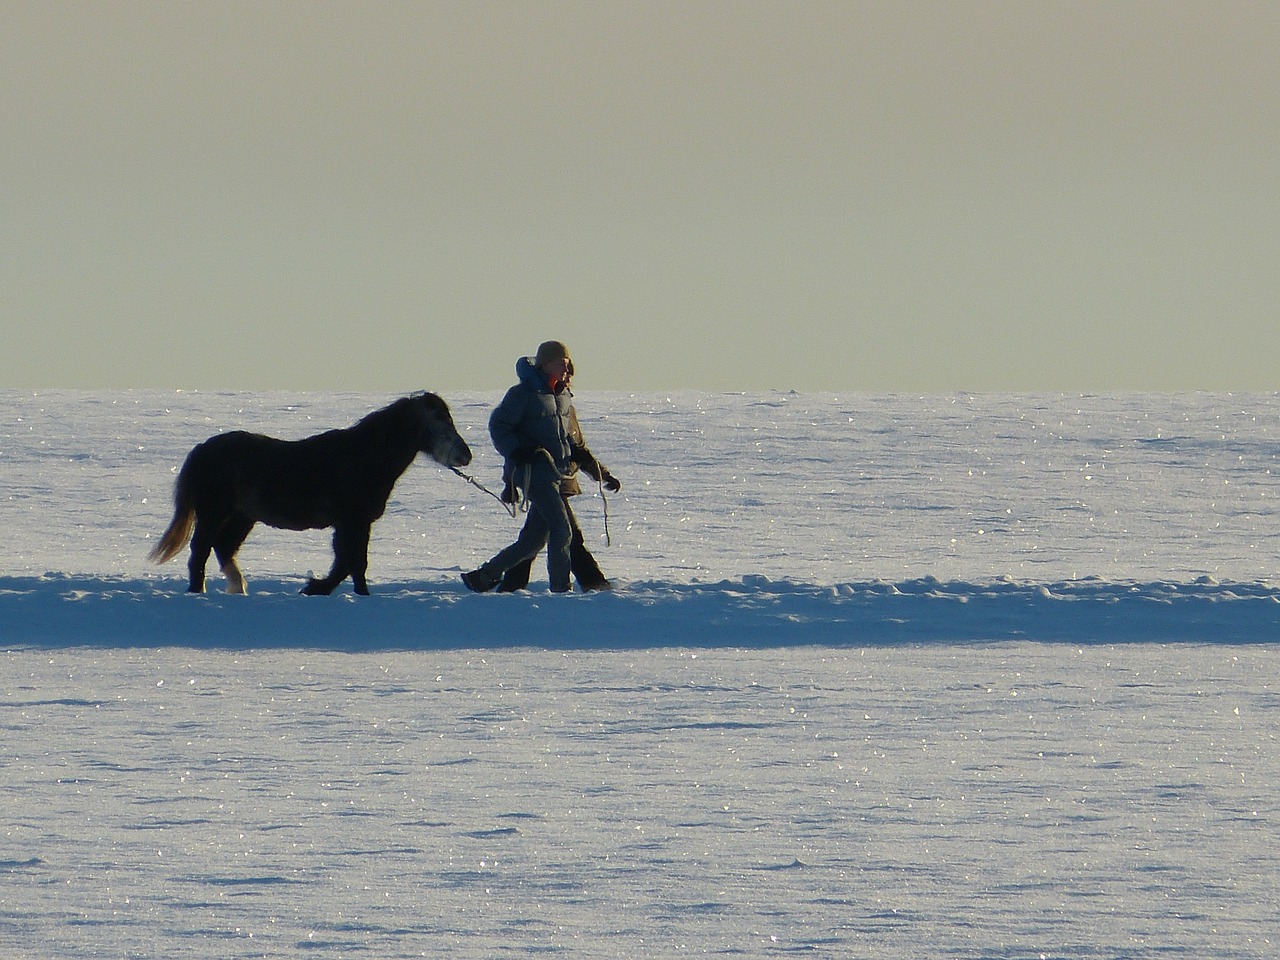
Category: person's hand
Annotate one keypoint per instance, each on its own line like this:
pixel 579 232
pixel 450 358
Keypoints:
pixel 611 483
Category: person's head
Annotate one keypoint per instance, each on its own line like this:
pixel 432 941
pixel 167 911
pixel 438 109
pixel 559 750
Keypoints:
pixel 553 360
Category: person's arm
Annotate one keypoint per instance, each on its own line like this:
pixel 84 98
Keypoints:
pixel 585 459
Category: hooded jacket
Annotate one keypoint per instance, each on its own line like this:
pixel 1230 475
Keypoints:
pixel 531 416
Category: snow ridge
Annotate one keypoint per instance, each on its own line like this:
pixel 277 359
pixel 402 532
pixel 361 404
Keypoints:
pixel 62 610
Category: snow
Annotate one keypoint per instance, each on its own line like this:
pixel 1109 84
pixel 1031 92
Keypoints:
pixel 885 676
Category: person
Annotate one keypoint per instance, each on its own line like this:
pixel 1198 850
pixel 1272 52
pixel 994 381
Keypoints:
pixel 531 428
pixel 582 563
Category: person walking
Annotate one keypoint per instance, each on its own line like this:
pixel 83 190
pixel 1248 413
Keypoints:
pixel 532 430
pixel 586 570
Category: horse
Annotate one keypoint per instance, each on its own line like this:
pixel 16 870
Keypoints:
pixel 340 479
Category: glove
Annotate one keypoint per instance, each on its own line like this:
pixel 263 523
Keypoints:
pixel 611 483
pixel 523 456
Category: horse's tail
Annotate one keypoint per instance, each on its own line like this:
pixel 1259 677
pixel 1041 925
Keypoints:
pixel 184 519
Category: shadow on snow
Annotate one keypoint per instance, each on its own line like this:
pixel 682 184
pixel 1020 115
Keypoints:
pixel 59 610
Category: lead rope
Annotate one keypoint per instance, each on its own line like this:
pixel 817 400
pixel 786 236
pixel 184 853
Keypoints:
pixel 608 541
pixel 522 505
pixel 511 508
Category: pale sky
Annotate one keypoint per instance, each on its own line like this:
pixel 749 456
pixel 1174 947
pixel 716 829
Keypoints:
pixel 820 196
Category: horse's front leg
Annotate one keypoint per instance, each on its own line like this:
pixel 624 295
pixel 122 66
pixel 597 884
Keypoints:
pixel 342 540
pixel 327 584
pixel 355 550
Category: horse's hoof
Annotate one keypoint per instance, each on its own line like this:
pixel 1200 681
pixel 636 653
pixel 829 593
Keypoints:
pixel 315 589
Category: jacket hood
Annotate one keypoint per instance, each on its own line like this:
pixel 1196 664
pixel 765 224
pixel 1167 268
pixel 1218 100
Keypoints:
pixel 531 376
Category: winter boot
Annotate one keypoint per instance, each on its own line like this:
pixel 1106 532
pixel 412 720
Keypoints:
pixel 517 578
pixel 478 581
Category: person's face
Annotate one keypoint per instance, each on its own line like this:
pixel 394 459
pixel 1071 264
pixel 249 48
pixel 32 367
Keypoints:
pixel 556 369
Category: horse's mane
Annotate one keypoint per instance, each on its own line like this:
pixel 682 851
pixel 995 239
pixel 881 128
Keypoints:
pixel 395 428
pixel 397 409
pixel 391 411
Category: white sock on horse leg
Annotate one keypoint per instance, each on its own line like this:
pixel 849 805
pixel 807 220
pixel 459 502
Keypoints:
pixel 235 579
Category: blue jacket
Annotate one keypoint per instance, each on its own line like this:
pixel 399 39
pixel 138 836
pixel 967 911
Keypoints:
pixel 531 416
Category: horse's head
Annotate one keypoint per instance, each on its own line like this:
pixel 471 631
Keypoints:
pixel 439 438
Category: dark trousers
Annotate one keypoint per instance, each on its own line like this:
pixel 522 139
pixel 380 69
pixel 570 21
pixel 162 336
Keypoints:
pixel 585 569
pixel 547 524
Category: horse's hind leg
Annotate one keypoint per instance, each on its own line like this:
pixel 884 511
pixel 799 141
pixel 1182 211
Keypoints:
pixel 201 545
pixel 230 537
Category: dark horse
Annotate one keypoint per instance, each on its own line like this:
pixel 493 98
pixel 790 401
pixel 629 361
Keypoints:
pixel 340 479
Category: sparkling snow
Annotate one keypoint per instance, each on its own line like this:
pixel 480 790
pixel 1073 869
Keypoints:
pixel 885 677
